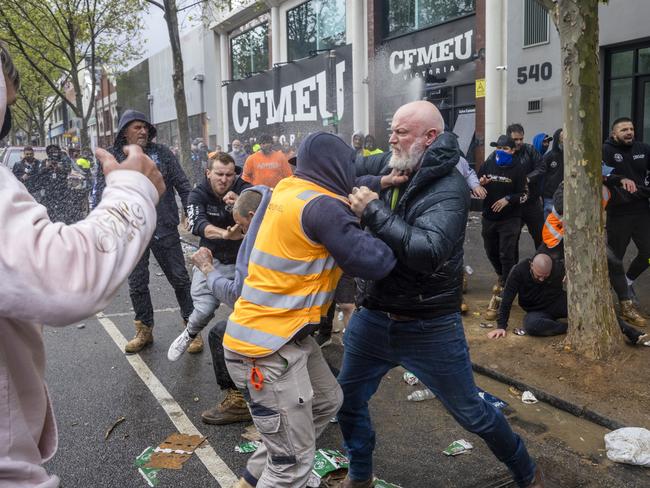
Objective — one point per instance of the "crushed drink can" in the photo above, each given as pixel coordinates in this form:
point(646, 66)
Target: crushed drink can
point(460, 446)
point(410, 378)
point(246, 447)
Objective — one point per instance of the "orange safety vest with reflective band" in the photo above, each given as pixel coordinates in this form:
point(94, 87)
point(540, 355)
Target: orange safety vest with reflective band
point(291, 279)
point(553, 230)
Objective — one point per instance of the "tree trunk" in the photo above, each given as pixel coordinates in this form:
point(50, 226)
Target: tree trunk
point(179, 89)
point(593, 329)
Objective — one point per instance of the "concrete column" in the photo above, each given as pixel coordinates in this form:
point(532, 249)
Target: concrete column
point(495, 70)
point(224, 58)
point(356, 23)
point(276, 35)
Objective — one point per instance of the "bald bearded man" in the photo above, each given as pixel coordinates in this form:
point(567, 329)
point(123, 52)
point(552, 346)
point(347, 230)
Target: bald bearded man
point(538, 282)
point(412, 317)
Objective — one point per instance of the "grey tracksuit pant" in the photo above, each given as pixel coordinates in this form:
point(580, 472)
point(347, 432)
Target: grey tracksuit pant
point(205, 303)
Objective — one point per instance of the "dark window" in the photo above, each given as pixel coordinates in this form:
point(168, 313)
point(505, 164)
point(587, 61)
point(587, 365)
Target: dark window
point(315, 25)
point(404, 16)
point(249, 52)
point(535, 23)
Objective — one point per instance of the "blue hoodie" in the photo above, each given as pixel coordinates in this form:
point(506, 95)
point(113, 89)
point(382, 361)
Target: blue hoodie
point(538, 140)
point(326, 160)
point(227, 290)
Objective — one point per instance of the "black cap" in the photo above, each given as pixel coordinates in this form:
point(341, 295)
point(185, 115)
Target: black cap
point(502, 141)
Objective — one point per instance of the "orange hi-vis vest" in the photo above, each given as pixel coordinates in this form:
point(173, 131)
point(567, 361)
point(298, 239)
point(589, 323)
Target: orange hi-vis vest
point(291, 279)
point(553, 230)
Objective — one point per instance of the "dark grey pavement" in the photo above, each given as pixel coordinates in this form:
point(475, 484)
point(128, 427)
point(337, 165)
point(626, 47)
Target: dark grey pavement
point(92, 384)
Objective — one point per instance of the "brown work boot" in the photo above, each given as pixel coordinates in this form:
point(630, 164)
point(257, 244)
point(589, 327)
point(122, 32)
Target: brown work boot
point(464, 308)
point(631, 314)
point(232, 409)
point(143, 337)
point(497, 289)
point(196, 346)
point(349, 483)
point(493, 308)
point(242, 483)
point(538, 480)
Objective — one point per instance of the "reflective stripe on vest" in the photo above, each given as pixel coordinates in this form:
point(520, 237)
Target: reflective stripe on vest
point(553, 231)
point(291, 279)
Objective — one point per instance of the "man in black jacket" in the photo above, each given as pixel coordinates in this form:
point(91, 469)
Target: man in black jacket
point(527, 156)
point(27, 170)
point(134, 128)
point(209, 216)
point(630, 220)
point(53, 176)
point(412, 317)
point(505, 181)
point(554, 164)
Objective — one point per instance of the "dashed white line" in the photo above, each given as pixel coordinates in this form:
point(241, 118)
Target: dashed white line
point(206, 453)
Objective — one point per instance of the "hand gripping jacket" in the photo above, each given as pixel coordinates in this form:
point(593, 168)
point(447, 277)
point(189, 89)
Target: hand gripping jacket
point(291, 279)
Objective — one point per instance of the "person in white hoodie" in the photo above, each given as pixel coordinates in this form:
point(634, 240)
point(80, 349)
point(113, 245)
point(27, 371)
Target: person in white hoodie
point(94, 256)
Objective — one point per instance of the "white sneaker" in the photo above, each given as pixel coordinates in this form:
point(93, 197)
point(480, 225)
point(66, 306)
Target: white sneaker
point(179, 346)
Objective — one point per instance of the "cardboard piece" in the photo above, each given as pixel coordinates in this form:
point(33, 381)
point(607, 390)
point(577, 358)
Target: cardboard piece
point(174, 451)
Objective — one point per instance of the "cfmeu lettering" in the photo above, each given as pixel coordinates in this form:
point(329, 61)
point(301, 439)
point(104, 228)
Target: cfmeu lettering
point(294, 103)
point(452, 49)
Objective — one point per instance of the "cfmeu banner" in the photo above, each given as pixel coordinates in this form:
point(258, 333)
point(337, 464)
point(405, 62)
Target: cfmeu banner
point(295, 99)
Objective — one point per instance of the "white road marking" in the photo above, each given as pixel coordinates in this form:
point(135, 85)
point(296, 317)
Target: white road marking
point(206, 453)
point(126, 314)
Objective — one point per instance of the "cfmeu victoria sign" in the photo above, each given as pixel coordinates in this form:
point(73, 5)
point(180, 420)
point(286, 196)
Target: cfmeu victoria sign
point(295, 99)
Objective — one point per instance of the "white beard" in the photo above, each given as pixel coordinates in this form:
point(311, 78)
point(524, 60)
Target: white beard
point(407, 162)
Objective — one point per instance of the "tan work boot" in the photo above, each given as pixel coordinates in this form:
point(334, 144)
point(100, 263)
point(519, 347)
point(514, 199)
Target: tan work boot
point(242, 483)
point(350, 483)
point(464, 308)
point(143, 337)
point(232, 409)
point(631, 314)
point(538, 480)
point(196, 346)
point(497, 289)
point(493, 308)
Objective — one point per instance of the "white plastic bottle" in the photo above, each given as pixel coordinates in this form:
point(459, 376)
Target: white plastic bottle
point(420, 395)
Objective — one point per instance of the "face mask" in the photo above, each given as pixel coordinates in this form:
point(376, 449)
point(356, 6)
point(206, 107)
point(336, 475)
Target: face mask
point(503, 158)
point(6, 125)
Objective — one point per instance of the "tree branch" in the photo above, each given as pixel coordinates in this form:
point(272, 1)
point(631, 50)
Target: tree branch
point(157, 4)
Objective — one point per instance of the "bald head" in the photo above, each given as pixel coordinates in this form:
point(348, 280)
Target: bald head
point(414, 128)
point(541, 267)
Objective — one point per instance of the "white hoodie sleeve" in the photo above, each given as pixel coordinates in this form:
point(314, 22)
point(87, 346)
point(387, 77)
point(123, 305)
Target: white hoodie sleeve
point(57, 274)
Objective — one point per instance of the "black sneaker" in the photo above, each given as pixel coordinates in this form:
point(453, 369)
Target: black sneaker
point(323, 340)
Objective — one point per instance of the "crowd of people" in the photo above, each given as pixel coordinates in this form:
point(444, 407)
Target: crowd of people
point(283, 237)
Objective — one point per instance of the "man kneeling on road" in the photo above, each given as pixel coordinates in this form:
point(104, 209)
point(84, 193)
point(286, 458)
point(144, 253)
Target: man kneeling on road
point(538, 282)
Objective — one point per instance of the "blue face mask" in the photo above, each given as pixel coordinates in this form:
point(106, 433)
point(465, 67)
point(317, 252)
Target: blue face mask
point(503, 158)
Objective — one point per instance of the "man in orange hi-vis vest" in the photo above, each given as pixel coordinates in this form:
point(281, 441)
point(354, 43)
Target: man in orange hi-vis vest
point(307, 238)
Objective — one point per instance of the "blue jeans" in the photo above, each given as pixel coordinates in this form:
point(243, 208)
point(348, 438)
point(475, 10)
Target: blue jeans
point(436, 351)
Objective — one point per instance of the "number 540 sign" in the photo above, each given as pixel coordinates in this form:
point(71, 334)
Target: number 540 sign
point(534, 72)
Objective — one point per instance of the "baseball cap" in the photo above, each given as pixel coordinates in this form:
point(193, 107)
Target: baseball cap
point(502, 141)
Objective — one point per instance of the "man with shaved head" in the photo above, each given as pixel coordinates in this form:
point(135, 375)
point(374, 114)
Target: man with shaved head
point(538, 282)
point(412, 316)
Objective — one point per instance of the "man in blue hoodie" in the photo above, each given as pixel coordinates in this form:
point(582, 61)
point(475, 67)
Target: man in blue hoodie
point(134, 128)
point(412, 316)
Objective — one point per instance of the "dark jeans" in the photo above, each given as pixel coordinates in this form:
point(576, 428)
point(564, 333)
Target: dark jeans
point(532, 215)
point(621, 229)
point(543, 323)
point(436, 351)
point(169, 254)
point(215, 341)
point(617, 276)
point(500, 238)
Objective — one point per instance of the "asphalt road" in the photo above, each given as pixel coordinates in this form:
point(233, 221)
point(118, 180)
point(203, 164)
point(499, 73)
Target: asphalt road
point(92, 384)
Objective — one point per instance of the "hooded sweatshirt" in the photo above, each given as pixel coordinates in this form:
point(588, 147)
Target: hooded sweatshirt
point(228, 290)
point(554, 164)
point(632, 162)
point(55, 274)
point(326, 160)
point(175, 178)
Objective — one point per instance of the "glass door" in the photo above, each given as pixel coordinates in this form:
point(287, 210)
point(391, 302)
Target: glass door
point(642, 126)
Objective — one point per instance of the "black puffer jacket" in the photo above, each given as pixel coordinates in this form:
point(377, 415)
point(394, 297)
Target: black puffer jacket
point(554, 164)
point(173, 174)
point(426, 232)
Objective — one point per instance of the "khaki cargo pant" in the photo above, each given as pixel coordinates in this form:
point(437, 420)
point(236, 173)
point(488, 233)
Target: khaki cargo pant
point(299, 397)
